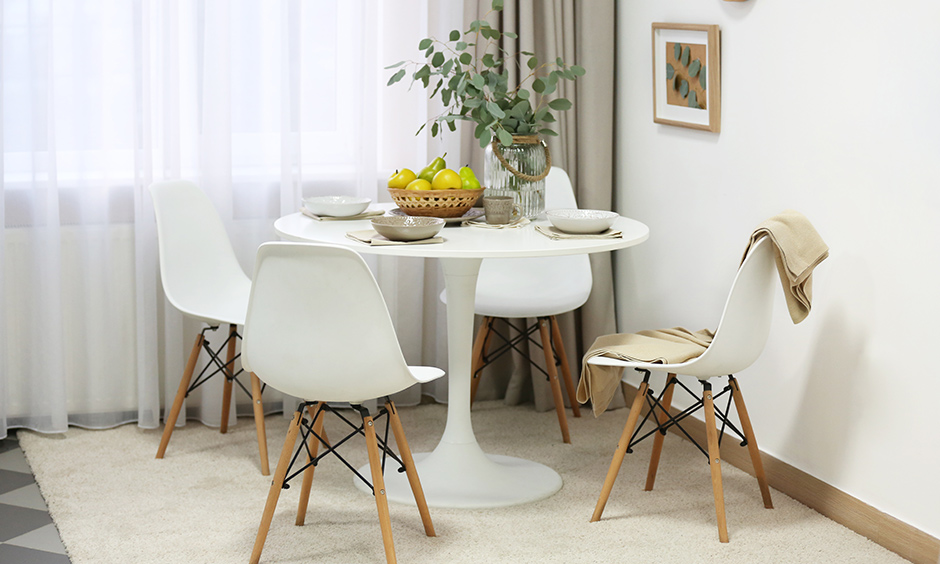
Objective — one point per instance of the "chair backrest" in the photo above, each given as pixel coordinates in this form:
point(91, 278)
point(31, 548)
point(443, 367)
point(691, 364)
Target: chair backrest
point(318, 327)
point(745, 322)
point(197, 262)
point(558, 191)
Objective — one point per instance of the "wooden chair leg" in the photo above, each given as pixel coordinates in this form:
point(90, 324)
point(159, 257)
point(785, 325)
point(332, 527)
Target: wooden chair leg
point(258, 408)
point(227, 384)
point(714, 462)
point(274, 493)
point(180, 396)
point(314, 445)
point(553, 379)
point(659, 437)
point(477, 356)
point(410, 470)
point(378, 485)
point(565, 369)
point(621, 450)
point(751, 442)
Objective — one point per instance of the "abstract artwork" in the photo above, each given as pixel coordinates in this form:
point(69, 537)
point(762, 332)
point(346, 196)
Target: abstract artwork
point(686, 75)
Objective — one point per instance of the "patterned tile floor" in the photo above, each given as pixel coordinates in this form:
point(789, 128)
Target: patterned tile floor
point(27, 533)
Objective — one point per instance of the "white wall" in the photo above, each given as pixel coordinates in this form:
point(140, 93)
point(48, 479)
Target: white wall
point(831, 108)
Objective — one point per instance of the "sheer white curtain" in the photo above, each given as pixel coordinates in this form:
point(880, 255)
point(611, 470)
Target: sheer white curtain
point(261, 102)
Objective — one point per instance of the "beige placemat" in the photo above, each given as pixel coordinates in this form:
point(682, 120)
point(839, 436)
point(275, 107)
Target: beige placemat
point(554, 233)
point(370, 237)
point(363, 215)
point(481, 222)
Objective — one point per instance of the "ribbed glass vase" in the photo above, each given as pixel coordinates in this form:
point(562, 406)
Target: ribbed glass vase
point(529, 158)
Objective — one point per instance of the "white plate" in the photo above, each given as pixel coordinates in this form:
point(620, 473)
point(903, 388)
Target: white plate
point(472, 213)
point(582, 221)
point(336, 206)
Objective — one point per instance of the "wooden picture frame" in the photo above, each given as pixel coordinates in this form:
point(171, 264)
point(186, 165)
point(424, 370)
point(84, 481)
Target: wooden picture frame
point(684, 54)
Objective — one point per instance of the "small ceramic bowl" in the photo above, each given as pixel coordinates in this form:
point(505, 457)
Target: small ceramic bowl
point(582, 221)
point(336, 206)
point(410, 228)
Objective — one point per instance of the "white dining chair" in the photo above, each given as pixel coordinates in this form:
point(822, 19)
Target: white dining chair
point(539, 288)
point(318, 329)
point(202, 279)
point(739, 340)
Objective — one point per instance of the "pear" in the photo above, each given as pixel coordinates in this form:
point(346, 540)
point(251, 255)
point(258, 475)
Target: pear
point(401, 179)
point(468, 180)
point(446, 180)
point(437, 165)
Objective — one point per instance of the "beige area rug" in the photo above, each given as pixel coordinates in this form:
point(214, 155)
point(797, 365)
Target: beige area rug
point(114, 503)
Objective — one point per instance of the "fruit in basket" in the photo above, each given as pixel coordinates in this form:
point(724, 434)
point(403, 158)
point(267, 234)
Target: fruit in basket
point(468, 180)
point(437, 165)
point(418, 184)
point(446, 180)
point(401, 179)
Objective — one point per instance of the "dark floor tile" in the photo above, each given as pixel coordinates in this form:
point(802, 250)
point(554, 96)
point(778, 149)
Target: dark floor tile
point(10, 554)
point(10, 480)
point(15, 521)
point(10, 442)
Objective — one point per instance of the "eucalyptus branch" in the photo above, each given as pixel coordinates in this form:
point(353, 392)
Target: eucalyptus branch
point(475, 87)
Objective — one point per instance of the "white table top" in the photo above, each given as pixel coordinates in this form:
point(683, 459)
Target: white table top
point(462, 242)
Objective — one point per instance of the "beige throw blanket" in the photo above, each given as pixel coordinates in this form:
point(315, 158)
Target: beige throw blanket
point(798, 249)
point(665, 346)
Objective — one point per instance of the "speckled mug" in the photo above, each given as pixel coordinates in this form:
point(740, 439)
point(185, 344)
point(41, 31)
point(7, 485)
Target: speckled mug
point(500, 210)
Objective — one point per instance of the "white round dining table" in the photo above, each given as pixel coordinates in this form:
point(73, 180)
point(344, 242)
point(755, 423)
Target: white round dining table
point(458, 473)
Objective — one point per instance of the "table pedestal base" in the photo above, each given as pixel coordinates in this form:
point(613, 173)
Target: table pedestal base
point(463, 476)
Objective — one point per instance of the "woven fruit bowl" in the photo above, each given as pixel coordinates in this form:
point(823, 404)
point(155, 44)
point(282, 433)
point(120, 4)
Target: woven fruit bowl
point(435, 203)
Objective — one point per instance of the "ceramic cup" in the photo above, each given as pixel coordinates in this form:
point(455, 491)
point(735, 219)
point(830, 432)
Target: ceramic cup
point(500, 210)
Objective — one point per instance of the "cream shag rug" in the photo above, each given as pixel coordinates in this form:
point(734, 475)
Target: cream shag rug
point(113, 502)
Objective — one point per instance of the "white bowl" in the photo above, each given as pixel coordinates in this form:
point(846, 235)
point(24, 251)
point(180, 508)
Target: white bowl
point(407, 228)
point(582, 221)
point(336, 206)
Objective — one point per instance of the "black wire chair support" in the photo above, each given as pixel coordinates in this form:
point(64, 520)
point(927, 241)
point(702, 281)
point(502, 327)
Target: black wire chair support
point(225, 368)
point(655, 403)
point(511, 343)
point(357, 429)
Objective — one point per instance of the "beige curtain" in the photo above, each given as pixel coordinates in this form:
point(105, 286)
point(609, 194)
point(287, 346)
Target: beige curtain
point(580, 33)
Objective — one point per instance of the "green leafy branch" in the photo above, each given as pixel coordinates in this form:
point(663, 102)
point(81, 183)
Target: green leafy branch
point(476, 88)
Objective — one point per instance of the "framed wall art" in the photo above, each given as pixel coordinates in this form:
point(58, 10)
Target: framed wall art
point(687, 75)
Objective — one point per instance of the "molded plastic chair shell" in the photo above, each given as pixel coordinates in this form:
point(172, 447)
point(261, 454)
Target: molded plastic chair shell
point(318, 327)
point(540, 286)
point(744, 326)
point(201, 276)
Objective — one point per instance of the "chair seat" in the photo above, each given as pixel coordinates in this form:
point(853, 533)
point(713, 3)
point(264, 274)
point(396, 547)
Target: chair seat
point(424, 374)
point(532, 287)
point(688, 368)
point(220, 305)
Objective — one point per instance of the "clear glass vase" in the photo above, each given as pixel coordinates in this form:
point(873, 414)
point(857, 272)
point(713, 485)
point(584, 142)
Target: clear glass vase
point(529, 157)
